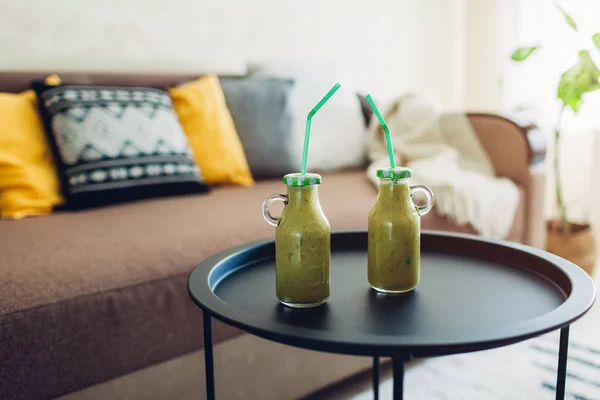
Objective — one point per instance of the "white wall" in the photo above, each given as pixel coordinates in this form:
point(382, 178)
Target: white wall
point(384, 46)
point(595, 189)
point(580, 175)
point(483, 55)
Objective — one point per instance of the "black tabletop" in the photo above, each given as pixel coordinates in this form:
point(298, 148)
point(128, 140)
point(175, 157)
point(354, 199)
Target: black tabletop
point(473, 294)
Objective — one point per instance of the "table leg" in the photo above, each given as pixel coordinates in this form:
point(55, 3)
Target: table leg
point(561, 377)
point(376, 378)
point(208, 356)
point(398, 366)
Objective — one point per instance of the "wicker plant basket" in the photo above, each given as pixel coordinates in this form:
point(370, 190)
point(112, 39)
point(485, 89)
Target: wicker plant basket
point(574, 242)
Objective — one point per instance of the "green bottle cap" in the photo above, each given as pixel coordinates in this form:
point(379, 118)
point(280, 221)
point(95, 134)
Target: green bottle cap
point(298, 179)
point(394, 173)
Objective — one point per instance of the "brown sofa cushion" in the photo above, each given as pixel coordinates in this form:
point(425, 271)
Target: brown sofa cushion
point(87, 296)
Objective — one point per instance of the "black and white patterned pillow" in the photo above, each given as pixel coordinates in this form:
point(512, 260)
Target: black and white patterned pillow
point(117, 144)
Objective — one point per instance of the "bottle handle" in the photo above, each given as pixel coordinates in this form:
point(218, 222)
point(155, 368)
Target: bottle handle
point(266, 208)
point(422, 210)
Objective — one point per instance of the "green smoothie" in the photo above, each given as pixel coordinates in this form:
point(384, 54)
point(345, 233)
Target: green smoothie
point(394, 246)
point(302, 247)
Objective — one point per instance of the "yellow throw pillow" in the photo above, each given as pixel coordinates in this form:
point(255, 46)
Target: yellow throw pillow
point(29, 182)
point(203, 113)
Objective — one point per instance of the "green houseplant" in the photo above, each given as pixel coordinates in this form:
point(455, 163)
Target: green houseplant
point(565, 238)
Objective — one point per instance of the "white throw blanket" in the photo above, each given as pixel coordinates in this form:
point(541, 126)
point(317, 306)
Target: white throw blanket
point(445, 154)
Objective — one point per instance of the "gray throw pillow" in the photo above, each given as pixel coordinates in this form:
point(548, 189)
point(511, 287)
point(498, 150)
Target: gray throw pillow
point(261, 111)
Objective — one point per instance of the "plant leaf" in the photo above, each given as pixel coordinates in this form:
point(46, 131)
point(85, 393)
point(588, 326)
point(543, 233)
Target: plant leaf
point(577, 80)
point(522, 53)
point(596, 39)
point(568, 18)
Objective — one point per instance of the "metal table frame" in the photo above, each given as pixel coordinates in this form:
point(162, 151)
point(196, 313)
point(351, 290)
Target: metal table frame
point(397, 365)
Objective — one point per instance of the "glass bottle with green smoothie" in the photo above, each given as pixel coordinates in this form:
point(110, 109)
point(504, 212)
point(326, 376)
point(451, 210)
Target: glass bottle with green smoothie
point(302, 243)
point(394, 246)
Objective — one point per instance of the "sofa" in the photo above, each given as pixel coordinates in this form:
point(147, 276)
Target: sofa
point(94, 303)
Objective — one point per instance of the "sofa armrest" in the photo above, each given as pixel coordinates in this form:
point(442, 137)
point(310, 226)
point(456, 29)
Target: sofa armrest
point(512, 148)
point(518, 151)
point(535, 226)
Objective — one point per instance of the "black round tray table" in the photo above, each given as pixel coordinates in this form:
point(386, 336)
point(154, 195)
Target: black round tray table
point(474, 294)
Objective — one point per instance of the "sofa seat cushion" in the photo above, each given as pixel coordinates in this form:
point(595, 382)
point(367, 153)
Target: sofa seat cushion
point(90, 295)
